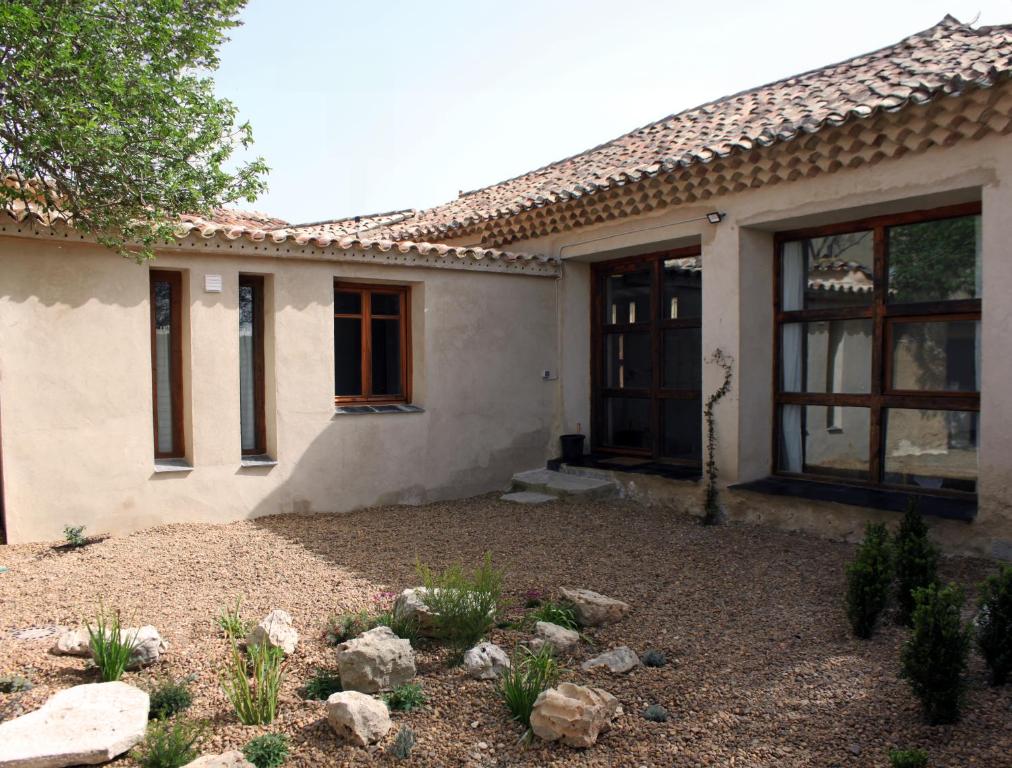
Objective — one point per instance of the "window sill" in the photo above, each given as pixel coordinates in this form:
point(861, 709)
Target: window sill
point(168, 466)
point(258, 461)
point(950, 508)
point(360, 410)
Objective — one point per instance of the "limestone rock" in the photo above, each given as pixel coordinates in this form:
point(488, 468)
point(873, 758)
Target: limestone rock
point(593, 609)
point(486, 661)
point(73, 642)
point(358, 719)
point(618, 660)
point(573, 714)
point(276, 630)
point(148, 644)
point(233, 759)
point(561, 640)
point(374, 661)
point(410, 606)
point(83, 725)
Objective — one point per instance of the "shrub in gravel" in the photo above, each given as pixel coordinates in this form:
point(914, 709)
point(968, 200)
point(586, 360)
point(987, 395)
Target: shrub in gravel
point(15, 684)
point(869, 579)
point(653, 658)
point(169, 745)
point(169, 697)
point(402, 744)
point(110, 646)
point(529, 674)
point(253, 684)
point(994, 625)
point(323, 684)
point(342, 628)
point(74, 536)
point(655, 713)
point(554, 613)
point(463, 606)
point(405, 698)
point(934, 657)
point(405, 627)
point(231, 622)
point(908, 758)
point(267, 751)
point(916, 561)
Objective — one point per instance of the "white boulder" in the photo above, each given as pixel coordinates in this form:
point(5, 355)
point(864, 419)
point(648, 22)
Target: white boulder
point(73, 642)
point(374, 661)
point(410, 606)
point(561, 640)
point(233, 759)
point(593, 609)
point(83, 725)
point(276, 630)
point(148, 644)
point(486, 661)
point(357, 718)
point(618, 660)
point(573, 714)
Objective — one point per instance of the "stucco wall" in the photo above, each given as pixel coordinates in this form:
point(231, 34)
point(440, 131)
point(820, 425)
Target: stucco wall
point(75, 390)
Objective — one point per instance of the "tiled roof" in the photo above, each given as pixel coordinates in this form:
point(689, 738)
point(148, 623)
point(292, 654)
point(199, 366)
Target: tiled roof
point(355, 225)
point(950, 58)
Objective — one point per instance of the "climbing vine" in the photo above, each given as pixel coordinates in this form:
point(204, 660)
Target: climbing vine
point(711, 506)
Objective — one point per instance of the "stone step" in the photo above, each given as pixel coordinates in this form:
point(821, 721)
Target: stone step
point(560, 484)
point(528, 497)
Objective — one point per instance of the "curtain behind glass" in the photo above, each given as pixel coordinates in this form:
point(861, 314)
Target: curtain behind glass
point(793, 282)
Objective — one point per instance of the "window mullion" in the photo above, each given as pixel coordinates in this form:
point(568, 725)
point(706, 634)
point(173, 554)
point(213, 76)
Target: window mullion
point(875, 432)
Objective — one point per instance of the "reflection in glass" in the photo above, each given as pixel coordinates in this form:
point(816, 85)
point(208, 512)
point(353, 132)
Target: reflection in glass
point(627, 361)
point(683, 429)
point(936, 356)
point(683, 288)
point(808, 444)
point(627, 298)
point(826, 356)
point(247, 369)
point(828, 272)
point(935, 260)
point(627, 422)
point(163, 366)
point(931, 449)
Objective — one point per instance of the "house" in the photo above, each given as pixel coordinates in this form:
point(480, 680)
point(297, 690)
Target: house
point(842, 235)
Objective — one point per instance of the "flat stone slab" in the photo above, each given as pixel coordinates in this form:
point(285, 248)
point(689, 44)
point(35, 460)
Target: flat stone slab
point(562, 484)
point(528, 497)
point(83, 725)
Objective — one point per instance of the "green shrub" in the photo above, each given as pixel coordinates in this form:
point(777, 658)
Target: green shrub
point(322, 685)
point(169, 697)
point(231, 622)
point(253, 685)
point(554, 613)
point(169, 745)
point(521, 684)
point(15, 684)
point(267, 751)
point(405, 627)
point(934, 657)
point(405, 698)
point(869, 579)
point(463, 607)
point(916, 561)
point(994, 625)
point(110, 645)
point(655, 713)
point(347, 626)
point(74, 536)
point(908, 758)
point(403, 743)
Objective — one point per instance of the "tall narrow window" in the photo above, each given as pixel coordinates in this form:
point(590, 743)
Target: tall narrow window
point(167, 363)
point(251, 365)
point(372, 345)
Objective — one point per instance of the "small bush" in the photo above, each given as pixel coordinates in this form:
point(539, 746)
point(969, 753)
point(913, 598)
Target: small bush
point(934, 658)
point(169, 698)
point(908, 758)
point(405, 698)
point(916, 561)
point(869, 579)
point(74, 536)
point(169, 745)
point(994, 625)
point(322, 685)
point(15, 684)
point(405, 627)
point(267, 751)
point(654, 658)
point(110, 645)
point(231, 622)
point(464, 607)
point(402, 743)
point(255, 700)
point(521, 684)
point(347, 626)
point(554, 613)
point(655, 713)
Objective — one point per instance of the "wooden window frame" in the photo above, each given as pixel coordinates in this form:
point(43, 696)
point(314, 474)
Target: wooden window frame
point(175, 281)
point(655, 326)
point(256, 282)
point(365, 291)
point(883, 315)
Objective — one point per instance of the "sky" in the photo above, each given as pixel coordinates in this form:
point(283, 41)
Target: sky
point(362, 107)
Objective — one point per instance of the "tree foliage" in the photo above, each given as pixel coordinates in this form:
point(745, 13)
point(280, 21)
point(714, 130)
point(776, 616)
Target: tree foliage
point(108, 115)
point(916, 561)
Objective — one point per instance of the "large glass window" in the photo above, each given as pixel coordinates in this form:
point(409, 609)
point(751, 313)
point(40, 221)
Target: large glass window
point(251, 365)
point(167, 363)
point(878, 349)
point(371, 343)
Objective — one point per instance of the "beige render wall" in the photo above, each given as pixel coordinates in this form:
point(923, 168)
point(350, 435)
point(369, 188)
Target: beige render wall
point(75, 391)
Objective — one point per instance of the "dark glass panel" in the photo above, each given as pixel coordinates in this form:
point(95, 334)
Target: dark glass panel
point(931, 449)
point(386, 357)
point(937, 356)
point(627, 298)
point(347, 303)
point(347, 356)
point(386, 303)
point(627, 361)
point(683, 353)
point(935, 260)
point(683, 429)
point(627, 422)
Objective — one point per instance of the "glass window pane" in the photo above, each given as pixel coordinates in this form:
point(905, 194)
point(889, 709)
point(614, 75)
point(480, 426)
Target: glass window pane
point(347, 356)
point(386, 357)
point(825, 440)
point(627, 422)
point(627, 361)
point(247, 371)
point(683, 354)
point(347, 303)
point(936, 356)
point(386, 303)
point(827, 356)
point(931, 449)
point(163, 366)
point(935, 260)
point(683, 288)
point(627, 298)
point(683, 429)
point(828, 272)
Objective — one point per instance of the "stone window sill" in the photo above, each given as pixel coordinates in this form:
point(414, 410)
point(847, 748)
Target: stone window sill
point(168, 466)
point(258, 461)
point(352, 409)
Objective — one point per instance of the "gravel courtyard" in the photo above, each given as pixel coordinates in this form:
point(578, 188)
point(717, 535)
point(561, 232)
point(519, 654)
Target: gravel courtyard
point(762, 669)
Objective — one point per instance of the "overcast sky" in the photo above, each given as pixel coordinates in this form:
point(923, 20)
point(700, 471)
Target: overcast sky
point(361, 107)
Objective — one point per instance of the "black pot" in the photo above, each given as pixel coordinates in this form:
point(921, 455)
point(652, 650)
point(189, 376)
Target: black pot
point(572, 448)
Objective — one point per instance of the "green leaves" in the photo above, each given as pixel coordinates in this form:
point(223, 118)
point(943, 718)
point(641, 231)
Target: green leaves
point(111, 104)
point(869, 580)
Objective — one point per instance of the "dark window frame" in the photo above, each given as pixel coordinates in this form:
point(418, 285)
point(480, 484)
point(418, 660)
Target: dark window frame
point(256, 283)
point(365, 315)
point(175, 281)
point(883, 316)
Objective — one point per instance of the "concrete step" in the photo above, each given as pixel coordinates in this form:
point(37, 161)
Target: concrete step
point(561, 484)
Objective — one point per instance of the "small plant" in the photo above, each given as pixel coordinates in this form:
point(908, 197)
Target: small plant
point(994, 625)
point(322, 685)
point(255, 700)
point(554, 613)
point(521, 684)
point(908, 758)
point(655, 713)
point(464, 607)
point(654, 658)
point(74, 536)
point(402, 743)
point(405, 698)
point(869, 579)
point(15, 684)
point(169, 745)
point(111, 646)
point(533, 598)
point(267, 751)
point(169, 698)
point(711, 505)
point(348, 626)
point(916, 561)
point(934, 658)
point(405, 627)
point(231, 622)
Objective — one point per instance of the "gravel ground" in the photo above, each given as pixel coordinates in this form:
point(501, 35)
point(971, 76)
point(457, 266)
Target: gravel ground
point(762, 672)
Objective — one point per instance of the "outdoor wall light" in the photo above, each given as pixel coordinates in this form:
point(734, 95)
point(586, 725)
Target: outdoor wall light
point(715, 217)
